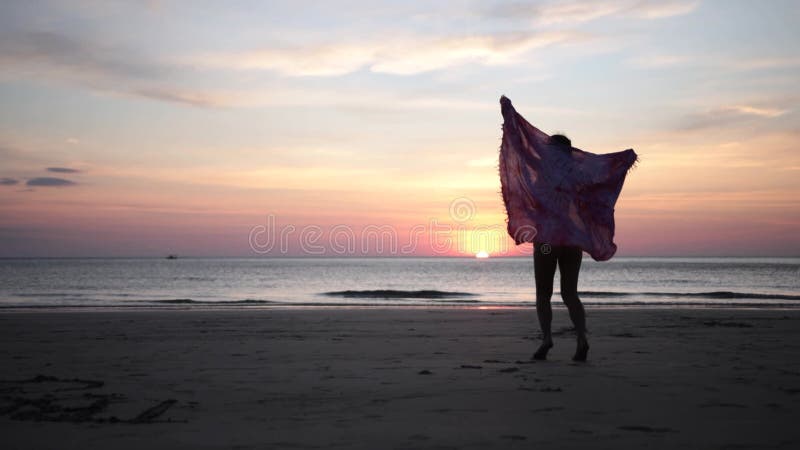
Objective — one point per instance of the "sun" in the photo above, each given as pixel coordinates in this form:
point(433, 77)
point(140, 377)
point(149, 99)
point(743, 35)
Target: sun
point(481, 254)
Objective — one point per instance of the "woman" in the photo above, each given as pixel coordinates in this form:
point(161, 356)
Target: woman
point(568, 259)
point(561, 199)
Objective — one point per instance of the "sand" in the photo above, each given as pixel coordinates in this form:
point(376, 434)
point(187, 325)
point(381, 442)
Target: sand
point(398, 378)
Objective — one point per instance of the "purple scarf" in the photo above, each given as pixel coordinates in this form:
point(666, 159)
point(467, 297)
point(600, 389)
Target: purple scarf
point(556, 194)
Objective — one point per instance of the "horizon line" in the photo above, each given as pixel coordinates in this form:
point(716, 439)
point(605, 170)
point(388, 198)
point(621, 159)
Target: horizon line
point(374, 257)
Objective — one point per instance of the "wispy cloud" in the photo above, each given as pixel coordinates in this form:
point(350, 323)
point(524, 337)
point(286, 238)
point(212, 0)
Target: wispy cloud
point(361, 100)
point(655, 9)
point(205, 98)
point(755, 111)
point(758, 63)
point(72, 57)
point(730, 114)
point(8, 181)
point(398, 56)
point(417, 57)
point(62, 170)
point(52, 56)
point(575, 12)
point(730, 63)
point(49, 182)
point(56, 57)
point(321, 60)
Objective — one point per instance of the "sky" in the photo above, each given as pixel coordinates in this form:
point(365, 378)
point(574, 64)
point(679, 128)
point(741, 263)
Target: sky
point(272, 128)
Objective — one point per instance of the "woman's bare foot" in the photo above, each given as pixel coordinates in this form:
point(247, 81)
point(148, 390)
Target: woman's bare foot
point(582, 350)
point(541, 353)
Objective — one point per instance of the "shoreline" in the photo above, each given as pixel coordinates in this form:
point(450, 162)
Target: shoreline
point(220, 306)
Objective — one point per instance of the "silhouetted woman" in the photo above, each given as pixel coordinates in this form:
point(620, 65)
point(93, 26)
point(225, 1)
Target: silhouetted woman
point(557, 194)
point(568, 260)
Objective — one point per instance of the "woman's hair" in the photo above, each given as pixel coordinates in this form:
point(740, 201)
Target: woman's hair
point(560, 139)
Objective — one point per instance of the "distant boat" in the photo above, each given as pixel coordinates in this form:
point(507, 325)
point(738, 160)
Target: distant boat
point(172, 256)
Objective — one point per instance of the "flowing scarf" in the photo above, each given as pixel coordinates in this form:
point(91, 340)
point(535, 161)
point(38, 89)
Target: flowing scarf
point(556, 194)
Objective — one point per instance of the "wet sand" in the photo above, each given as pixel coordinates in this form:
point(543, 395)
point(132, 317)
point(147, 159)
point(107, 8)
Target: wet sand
point(398, 378)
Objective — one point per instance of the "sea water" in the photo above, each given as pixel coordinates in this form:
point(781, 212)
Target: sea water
point(258, 282)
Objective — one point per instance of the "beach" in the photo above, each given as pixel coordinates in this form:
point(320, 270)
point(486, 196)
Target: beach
point(398, 378)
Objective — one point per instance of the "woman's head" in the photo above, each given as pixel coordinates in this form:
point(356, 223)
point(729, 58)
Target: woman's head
point(560, 139)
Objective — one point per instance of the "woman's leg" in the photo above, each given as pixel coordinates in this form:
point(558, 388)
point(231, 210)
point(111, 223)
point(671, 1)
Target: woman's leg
point(544, 269)
point(569, 265)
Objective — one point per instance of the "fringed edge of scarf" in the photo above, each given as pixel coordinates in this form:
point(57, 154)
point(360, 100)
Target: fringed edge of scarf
point(636, 161)
point(500, 175)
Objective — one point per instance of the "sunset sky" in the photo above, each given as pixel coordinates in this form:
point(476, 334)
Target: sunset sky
point(159, 127)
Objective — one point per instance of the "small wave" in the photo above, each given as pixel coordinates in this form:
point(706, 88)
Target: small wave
point(691, 304)
point(194, 279)
point(188, 301)
point(391, 293)
point(176, 301)
point(461, 301)
point(48, 294)
point(719, 295)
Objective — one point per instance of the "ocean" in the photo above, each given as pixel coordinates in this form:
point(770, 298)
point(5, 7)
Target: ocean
point(252, 282)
